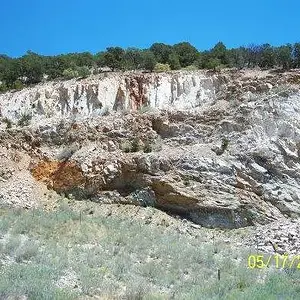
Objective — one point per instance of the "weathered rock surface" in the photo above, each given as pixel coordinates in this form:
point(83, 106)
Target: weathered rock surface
point(97, 95)
point(219, 149)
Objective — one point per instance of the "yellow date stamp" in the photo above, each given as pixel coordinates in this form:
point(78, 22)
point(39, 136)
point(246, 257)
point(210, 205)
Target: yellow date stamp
point(280, 261)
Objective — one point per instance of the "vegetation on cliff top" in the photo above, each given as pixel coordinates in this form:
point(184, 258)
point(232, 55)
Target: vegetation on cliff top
point(15, 73)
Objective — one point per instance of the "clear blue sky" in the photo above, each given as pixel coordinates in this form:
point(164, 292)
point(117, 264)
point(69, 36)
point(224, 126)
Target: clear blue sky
point(59, 26)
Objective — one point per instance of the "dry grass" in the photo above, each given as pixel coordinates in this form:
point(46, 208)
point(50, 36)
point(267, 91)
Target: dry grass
point(68, 255)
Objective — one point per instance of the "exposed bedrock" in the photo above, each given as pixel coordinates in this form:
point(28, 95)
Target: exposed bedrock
point(220, 149)
point(95, 96)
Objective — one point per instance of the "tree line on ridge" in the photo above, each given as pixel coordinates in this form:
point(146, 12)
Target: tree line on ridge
point(32, 68)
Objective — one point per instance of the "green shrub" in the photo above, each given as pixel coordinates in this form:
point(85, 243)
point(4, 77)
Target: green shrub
point(225, 143)
point(18, 85)
point(126, 147)
point(148, 147)
point(70, 73)
point(162, 67)
point(223, 148)
point(25, 119)
point(3, 87)
point(28, 250)
point(134, 145)
point(83, 72)
point(191, 68)
point(12, 245)
point(157, 144)
point(213, 63)
point(153, 145)
point(137, 145)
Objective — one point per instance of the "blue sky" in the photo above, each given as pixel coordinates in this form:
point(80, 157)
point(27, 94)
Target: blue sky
point(60, 26)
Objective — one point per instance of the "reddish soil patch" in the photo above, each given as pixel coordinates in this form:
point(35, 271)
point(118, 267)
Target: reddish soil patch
point(60, 176)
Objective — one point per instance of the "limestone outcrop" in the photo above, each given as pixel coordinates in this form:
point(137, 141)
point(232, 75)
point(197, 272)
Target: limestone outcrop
point(219, 149)
point(97, 95)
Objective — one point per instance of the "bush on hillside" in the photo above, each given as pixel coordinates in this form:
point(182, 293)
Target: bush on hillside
point(25, 119)
point(162, 67)
point(70, 73)
point(191, 68)
point(18, 85)
point(83, 72)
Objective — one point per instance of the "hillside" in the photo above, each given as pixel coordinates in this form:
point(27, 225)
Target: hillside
point(204, 151)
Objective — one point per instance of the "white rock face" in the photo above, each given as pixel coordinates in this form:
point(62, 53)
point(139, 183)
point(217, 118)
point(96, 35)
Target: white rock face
point(95, 95)
point(225, 149)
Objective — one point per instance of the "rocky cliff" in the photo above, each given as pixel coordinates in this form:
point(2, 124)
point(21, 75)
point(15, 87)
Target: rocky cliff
point(219, 149)
point(112, 91)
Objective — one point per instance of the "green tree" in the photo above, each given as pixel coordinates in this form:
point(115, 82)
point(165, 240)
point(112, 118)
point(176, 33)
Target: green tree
point(84, 59)
point(219, 51)
point(54, 66)
point(284, 56)
point(100, 59)
point(4, 61)
point(296, 55)
point(161, 52)
point(32, 67)
point(72, 60)
point(174, 61)
point(69, 60)
point(213, 63)
point(201, 62)
point(83, 72)
point(267, 57)
point(237, 57)
point(187, 53)
point(114, 58)
point(11, 71)
point(148, 60)
point(253, 55)
point(133, 59)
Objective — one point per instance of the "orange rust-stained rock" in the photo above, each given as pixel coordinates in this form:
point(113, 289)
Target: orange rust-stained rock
point(44, 170)
point(137, 90)
point(61, 176)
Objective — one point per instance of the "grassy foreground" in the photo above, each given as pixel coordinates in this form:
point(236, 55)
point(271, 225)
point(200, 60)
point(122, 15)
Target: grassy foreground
point(65, 255)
